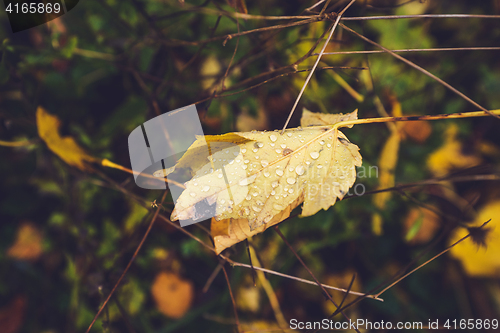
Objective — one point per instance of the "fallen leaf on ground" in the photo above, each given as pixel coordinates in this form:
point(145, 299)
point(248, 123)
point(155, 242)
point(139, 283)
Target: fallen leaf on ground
point(420, 225)
point(64, 147)
point(11, 315)
point(172, 294)
point(418, 131)
point(28, 244)
point(256, 179)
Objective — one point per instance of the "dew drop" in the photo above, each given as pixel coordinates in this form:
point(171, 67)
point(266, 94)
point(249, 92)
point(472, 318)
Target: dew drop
point(300, 170)
point(283, 145)
point(192, 194)
point(255, 150)
point(290, 191)
point(222, 201)
point(205, 188)
point(243, 150)
point(279, 172)
point(220, 175)
point(274, 184)
point(267, 219)
point(322, 142)
point(273, 138)
point(247, 211)
point(271, 144)
point(278, 151)
point(246, 161)
point(319, 166)
point(273, 192)
point(256, 208)
point(314, 155)
point(238, 160)
point(244, 167)
point(260, 144)
point(266, 174)
point(278, 206)
point(255, 194)
point(328, 145)
point(291, 180)
point(248, 197)
point(289, 134)
point(290, 169)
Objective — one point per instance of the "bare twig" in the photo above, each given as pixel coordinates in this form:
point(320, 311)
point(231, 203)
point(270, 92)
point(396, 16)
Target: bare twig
point(22, 143)
point(437, 49)
point(396, 17)
point(428, 261)
point(232, 298)
point(309, 271)
point(315, 65)
point(128, 265)
point(265, 270)
point(424, 71)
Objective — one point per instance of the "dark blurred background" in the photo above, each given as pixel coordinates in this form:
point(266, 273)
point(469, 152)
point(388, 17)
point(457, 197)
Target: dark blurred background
point(66, 234)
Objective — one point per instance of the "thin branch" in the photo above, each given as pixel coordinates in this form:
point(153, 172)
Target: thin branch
point(425, 263)
point(212, 276)
point(438, 49)
point(22, 143)
point(128, 265)
point(424, 71)
point(232, 299)
point(315, 65)
point(309, 271)
point(291, 277)
point(176, 42)
point(395, 17)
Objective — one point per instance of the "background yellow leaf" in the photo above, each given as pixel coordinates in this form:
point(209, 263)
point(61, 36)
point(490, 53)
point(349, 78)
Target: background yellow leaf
point(481, 261)
point(450, 155)
point(28, 243)
point(64, 147)
point(387, 164)
point(172, 294)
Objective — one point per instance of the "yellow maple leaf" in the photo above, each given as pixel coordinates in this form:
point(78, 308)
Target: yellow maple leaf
point(481, 261)
point(64, 147)
point(266, 175)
